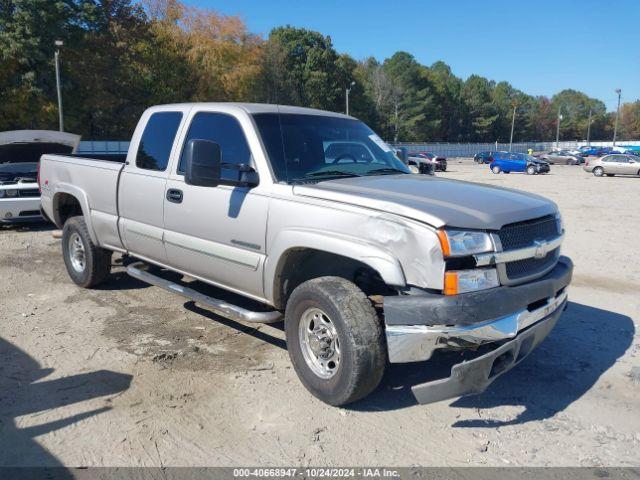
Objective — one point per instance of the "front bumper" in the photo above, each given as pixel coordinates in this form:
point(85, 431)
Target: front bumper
point(476, 375)
point(515, 319)
point(16, 209)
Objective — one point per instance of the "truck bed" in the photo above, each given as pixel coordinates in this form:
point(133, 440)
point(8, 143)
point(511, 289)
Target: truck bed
point(78, 176)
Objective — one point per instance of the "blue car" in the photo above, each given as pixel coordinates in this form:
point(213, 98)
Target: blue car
point(589, 151)
point(517, 162)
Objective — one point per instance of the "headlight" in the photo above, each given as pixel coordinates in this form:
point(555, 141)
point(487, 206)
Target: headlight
point(460, 243)
point(461, 281)
point(8, 193)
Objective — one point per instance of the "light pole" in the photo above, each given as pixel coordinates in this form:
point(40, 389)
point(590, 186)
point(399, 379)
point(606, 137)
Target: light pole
point(589, 128)
point(615, 128)
point(58, 44)
point(513, 122)
point(558, 128)
point(348, 90)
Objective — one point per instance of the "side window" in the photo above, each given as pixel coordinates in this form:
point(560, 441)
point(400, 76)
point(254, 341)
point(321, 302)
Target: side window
point(157, 140)
point(226, 132)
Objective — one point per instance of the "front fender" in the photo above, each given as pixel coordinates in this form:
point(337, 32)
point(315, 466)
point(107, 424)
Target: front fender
point(379, 259)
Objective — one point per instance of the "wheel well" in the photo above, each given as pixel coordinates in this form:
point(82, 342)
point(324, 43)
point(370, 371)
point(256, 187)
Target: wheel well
point(301, 264)
point(65, 206)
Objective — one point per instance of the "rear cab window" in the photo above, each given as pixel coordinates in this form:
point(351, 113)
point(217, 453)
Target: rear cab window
point(156, 141)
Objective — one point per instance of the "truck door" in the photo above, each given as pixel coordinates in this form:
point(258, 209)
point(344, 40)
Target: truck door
point(217, 233)
point(142, 184)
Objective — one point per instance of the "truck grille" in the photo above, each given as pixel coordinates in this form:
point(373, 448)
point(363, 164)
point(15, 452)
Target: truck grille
point(29, 192)
point(524, 234)
point(530, 266)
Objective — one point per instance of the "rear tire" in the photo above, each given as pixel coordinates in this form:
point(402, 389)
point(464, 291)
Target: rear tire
point(496, 169)
point(598, 171)
point(335, 340)
point(87, 264)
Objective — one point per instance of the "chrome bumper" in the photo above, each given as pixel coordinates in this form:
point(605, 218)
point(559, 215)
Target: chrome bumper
point(474, 376)
point(415, 343)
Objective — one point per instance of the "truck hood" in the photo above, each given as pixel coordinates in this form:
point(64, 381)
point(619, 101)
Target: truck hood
point(433, 200)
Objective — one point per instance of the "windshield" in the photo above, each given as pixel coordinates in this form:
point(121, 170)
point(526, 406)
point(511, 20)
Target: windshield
point(305, 148)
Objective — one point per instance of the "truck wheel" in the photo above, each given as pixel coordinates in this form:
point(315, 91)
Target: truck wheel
point(495, 169)
point(87, 264)
point(598, 171)
point(531, 170)
point(335, 340)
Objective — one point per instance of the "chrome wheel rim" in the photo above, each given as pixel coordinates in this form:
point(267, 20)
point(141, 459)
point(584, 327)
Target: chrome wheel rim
point(319, 343)
point(76, 253)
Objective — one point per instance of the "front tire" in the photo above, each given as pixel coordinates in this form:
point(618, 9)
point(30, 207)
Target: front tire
point(598, 171)
point(531, 170)
point(496, 169)
point(335, 340)
point(87, 264)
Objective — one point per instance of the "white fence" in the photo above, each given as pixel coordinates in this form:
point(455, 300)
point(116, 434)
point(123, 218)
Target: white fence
point(470, 149)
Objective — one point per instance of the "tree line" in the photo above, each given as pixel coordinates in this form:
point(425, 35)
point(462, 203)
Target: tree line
point(122, 56)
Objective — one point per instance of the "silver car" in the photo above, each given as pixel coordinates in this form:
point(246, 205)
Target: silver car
point(561, 157)
point(616, 164)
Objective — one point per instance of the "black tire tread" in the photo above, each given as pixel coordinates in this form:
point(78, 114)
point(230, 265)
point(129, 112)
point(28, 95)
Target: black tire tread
point(365, 334)
point(98, 259)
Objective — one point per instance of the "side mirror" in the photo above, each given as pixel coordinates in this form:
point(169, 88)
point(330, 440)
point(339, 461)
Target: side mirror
point(202, 163)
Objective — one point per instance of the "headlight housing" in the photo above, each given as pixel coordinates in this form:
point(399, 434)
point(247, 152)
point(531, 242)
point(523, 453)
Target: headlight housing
point(8, 193)
point(462, 243)
point(462, 281)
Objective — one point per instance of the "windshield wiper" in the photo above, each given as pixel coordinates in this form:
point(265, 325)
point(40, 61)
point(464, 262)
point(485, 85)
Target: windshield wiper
point(327, 174)
point(386, 170)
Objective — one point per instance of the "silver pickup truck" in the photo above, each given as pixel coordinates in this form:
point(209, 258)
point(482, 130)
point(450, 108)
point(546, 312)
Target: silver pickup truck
point(311, 216)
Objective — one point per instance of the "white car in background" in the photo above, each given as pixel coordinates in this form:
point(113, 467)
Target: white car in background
point(20, 153)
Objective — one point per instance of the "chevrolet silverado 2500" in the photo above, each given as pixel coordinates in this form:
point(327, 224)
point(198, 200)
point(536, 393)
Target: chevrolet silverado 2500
point(365, 262)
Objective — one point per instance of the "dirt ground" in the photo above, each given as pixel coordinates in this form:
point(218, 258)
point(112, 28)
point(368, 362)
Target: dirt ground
point(129, 375)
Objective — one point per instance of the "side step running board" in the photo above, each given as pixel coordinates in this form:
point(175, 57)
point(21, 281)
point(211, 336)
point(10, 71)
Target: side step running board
point(220, 307)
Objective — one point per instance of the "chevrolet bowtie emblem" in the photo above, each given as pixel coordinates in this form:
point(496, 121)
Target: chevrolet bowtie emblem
point(542, 248)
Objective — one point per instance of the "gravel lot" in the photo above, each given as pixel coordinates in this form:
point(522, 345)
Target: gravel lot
point(129, 375)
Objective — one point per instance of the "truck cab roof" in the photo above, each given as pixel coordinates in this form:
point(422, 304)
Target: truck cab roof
point(252, 108)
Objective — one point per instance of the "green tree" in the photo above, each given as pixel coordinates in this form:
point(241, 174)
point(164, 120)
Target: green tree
point(306, 66)
point(28, 29)
point(575, 107)
point(482, 114)
point(630, 120)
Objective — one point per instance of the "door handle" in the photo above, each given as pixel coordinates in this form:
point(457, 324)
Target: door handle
point(174, 195)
